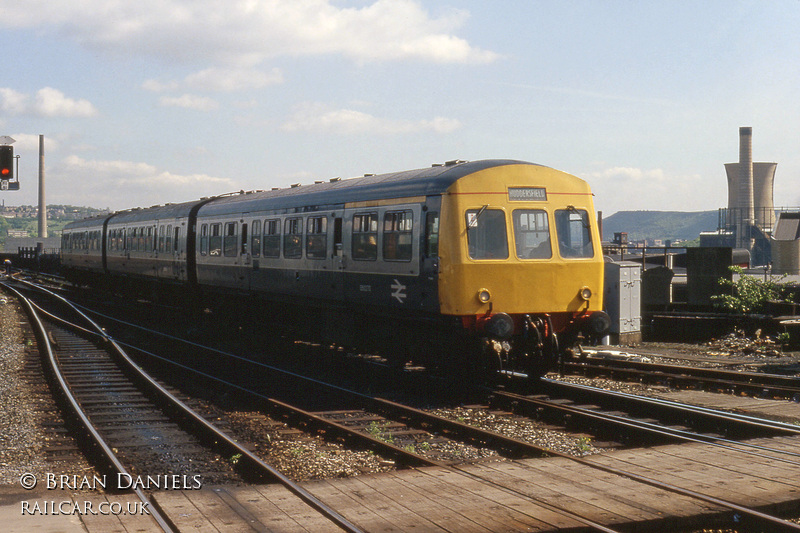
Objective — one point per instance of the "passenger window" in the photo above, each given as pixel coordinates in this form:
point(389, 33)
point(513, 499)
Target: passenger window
point(244, 238)
point(168, 239)
point(365, 237)
point(215, 240)
point(317, 238)
point(532, 234)
point(486, 234)
point(397, 233)
point(293, 238)
point(160, 246)
point(230, 240)
point(204, 239)
point(150, 242)
point(574, 233)
point(255, 242)
point(272, 238)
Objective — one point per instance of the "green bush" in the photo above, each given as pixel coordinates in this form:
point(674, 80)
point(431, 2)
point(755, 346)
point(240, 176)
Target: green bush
point(748, 293)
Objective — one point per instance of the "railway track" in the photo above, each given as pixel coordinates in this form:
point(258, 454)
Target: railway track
point(535, 405)
point(332, 419)
point(129, 422)
point(615, 366)
point(644, 420)
point(364, 411)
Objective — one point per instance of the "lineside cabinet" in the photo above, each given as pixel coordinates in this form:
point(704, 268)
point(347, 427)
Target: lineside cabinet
point(623, 301)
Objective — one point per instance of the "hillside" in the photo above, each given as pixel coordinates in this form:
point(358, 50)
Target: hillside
point(20, 224)
point(659, 224)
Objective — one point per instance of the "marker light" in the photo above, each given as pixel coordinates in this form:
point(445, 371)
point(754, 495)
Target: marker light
point(585, 293)
point(484, 295)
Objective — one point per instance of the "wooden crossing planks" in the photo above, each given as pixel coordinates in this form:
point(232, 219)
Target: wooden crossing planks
point(116, 513)
point(264, 508)
point(496, 496)
point(708, 469)
point(483, 506)
point(360, 512)
point(610, 492)
point(556, 490)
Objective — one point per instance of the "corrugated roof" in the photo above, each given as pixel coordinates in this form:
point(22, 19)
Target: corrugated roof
point(788, 227)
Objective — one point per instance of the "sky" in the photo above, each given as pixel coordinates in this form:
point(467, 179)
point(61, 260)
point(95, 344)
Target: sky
point(156, 101)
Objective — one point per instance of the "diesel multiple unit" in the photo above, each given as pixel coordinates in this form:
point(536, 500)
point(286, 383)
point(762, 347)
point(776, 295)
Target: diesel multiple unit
point(479, 266)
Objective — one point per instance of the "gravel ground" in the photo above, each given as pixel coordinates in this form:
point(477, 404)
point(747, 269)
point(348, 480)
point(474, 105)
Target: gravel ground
point(522, 429)
point(302, 457)
point(24, 409)
point(20, 449)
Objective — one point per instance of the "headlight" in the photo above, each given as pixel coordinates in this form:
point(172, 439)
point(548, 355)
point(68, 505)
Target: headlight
point(585, 293)
point(484, 296)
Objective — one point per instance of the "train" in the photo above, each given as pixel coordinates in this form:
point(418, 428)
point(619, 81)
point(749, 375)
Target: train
point(477, 267)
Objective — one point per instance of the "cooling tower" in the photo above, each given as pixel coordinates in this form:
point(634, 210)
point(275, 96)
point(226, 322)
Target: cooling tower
point(750, 197)
point(763, 178)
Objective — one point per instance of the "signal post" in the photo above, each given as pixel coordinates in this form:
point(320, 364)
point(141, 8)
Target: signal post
point(8, 176)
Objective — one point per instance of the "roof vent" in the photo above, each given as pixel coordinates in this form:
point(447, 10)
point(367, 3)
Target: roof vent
point(333, 180)
point(454, 162)
point(276, 188)
point(317, 182)
point(295, 185)
point(437, 165)
point(369, 174)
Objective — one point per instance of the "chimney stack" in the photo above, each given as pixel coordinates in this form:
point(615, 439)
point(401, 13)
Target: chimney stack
point(746, 174)
point(42, 203)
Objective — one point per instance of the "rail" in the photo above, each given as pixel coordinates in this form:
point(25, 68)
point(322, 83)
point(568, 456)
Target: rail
point(775, 523)
point(220, 438)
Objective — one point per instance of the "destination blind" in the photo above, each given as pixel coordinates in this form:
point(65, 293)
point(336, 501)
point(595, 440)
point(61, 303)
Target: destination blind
point(527, 194)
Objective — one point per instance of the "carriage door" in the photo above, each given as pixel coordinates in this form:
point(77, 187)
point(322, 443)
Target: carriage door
point(246, 257)
point(338, 257)
point(176, 250)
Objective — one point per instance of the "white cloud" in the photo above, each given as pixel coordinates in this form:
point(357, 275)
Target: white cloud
point(318, 118)
point(245, 32)
point(220, 79)
point(13, 102)
point(628, 174)
point(190, 101)
point(632, 188)
point(51, 102)
point(126, 184)
point(130, 172)
point(157, 86)
point(48, 102)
